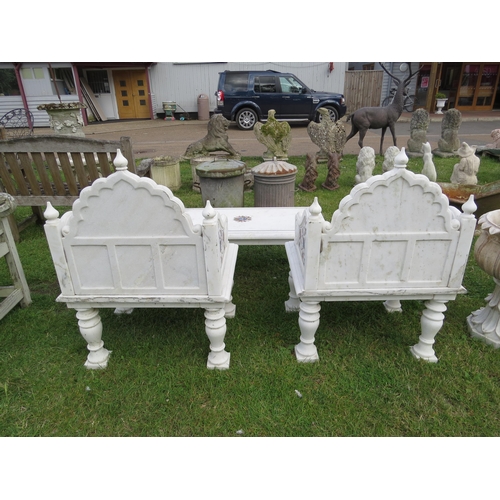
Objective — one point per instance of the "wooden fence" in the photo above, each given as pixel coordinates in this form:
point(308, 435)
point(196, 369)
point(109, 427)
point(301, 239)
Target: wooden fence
point(362, 88)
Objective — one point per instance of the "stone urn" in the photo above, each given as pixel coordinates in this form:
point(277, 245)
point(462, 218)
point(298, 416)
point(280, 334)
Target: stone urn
point(485, 322)
point(65, 117)
point(440, 104)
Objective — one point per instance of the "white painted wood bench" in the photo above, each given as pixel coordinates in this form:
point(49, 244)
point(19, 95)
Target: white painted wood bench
point(128, 243)
point(394, 237)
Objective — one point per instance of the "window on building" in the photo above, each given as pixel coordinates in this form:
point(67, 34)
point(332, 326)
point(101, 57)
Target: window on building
point(64, 81)
point(8, 82)
point(98, 81)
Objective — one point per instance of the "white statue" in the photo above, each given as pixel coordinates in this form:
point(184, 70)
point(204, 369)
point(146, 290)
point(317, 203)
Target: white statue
point(429, 169)
point(365, 164)
point(390, 153)
point(465, 171)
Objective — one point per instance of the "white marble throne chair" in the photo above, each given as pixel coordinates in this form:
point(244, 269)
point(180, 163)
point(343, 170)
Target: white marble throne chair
point(394, 237)
point(128, 243)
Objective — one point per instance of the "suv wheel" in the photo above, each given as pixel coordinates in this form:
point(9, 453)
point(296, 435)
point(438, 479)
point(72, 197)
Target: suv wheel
point(246, 118)
point(334, 116)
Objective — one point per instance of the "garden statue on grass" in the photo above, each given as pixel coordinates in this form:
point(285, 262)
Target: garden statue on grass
point(449, 141)
point(495, 135)
point(365, 164)
point(308, 183)
point(381, 117)
point(330, 136)
point(419, 124)
point(390, 153)
point(465, 171)
point(333, 172)
point(275, 135)
point(215, 140)
point(429, 169)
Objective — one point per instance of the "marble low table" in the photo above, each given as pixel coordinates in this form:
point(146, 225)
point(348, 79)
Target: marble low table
point(256, 225)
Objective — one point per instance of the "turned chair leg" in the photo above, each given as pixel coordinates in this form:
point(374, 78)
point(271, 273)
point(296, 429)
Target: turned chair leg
point(293, 302)
point(431, 322)
point(306, 351)
point(215, 327)
point(393, 306)
point(89, 322)
point(230, 309)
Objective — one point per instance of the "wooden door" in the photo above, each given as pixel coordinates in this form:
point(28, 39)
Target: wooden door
point(131, 94)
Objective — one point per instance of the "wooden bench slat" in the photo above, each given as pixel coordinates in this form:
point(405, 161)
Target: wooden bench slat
point(29, 174)
point(104, 164)
point(91, 166)
point(42, 173)
point(6, 178)
point(81, 173)
point(69, 174)
point(55, 172)
point(17, 174)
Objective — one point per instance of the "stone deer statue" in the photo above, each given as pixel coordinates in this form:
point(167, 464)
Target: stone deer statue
point(381, 116)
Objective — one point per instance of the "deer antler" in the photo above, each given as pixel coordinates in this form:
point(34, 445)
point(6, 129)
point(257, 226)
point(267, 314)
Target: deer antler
point(395, 78)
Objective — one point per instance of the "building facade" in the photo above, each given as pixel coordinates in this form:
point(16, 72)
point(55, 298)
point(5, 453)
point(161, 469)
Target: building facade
point(118, 91)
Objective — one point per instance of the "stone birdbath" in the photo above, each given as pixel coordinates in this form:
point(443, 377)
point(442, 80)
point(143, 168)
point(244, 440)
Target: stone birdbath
point(484, 323)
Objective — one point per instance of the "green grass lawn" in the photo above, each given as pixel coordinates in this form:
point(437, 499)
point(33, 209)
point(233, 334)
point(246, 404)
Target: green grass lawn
point(366, 383)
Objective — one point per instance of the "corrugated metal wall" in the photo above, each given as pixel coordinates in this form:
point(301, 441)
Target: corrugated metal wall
point(183, 83)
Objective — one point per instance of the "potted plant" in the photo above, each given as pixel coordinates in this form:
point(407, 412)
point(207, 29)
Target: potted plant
point(440, 102)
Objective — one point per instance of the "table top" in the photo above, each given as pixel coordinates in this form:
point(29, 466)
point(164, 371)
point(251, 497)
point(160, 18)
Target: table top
point(256, 225)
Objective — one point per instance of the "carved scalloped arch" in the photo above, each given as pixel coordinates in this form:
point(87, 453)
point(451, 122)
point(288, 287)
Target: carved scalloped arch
point(138, 206)
point(377, 204)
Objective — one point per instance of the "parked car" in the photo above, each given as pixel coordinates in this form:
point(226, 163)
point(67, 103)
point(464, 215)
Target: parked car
point(247, 96)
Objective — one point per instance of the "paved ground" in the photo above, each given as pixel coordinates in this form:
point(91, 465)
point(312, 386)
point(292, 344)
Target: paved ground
point(152, 138)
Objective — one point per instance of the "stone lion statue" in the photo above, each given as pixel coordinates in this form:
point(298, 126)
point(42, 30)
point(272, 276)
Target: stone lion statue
point(215, 140)
point(449, 141)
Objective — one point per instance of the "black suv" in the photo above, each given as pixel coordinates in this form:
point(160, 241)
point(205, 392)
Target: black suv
point(247, 96)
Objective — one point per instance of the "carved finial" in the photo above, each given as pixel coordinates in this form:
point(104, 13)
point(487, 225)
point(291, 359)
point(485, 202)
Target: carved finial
point(469, 207)
point(120, 162)
point(208, 211)
point(51, 214)
point(401, 159)
point(315, 209)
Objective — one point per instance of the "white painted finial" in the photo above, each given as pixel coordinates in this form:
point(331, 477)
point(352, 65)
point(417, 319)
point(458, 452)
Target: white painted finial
point(315, 209)
point(401, 159)
point(208, 211)
point(51, 214)
point(120, 162)
point(469, 207)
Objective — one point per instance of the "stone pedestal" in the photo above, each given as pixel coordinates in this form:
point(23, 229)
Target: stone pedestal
point(65, 118)
point(222, 183)
point(166, 171)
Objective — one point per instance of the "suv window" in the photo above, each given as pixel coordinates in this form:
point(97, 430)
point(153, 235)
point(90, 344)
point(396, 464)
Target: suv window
point(236, 81)
point(290, 85)
point(264, 84)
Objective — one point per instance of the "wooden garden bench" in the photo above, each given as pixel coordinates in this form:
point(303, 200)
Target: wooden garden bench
point(394, 237)
point(129, 243)
point(55, 168)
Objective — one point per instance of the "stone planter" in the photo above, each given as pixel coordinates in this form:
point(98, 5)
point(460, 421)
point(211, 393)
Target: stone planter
point(165, 170)
point(485, 322)
point(65, 118)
